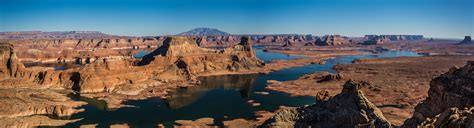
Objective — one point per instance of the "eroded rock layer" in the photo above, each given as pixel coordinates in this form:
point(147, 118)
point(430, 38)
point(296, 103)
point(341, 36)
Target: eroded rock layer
point(58, 50)
point(451, 118)
point(376, 40)
point(14, 73)
point(454, 89)
point(179, 58)
point(28, 107)
point(183, 57)
point(331, 40)
point(350, 108)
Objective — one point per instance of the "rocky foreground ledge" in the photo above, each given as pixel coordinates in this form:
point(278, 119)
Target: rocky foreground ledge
point(349, 108)
point(34, 107)
point(450, 101)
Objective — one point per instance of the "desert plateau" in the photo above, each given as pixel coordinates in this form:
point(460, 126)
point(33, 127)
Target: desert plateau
point(120, 64)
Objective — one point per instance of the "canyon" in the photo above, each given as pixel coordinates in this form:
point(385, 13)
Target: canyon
point(377, 91)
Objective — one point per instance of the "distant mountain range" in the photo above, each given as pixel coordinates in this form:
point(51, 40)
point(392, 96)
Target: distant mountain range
point(204, 32)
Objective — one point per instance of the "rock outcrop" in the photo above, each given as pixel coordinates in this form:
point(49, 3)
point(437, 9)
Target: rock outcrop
point(331, 40)
point(451, 118)
point(454, 89)
point(350, 108)
point(278, 39)
point(70, 49)
point(178, 59)
point(467, 40)
point(70, 42)
point(29, 107)
point(289, 44)
point(15, 74)
point(330, 77)
point(9, 64)
point(376, 40)
point(33, 121)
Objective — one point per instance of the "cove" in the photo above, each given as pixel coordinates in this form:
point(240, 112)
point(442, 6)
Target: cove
point(220, 97)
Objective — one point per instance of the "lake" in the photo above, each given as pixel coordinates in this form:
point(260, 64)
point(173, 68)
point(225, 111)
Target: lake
point(221, 97)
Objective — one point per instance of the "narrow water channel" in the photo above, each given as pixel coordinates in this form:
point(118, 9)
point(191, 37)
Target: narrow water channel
point(220, 97)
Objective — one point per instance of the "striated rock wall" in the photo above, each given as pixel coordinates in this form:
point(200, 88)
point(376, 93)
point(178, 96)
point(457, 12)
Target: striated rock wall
point(229, 40)
point(454, 89)
point(69, 49)
point(350, 108)
point(105, 74)
point(179, 58)
point(182, 57)
point(29, 107)
point(331, 40)
point(376, 40)
point(9, 64)
point(72, 49)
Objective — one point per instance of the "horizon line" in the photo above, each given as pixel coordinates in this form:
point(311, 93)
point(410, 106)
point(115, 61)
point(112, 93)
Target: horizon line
point(230, 34)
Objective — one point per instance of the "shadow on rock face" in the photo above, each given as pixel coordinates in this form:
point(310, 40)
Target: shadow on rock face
point(76, 79)
point(350, 108)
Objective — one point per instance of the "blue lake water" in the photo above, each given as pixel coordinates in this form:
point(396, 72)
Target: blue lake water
point(220, 97)
point(140, 54)
point(268, 56)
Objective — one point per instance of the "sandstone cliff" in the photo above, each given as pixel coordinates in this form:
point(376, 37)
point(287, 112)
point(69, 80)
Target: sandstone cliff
point(178, 59)
point(14, 73)
point(331, 40)
point(376, 40)
point(70, 49)
point(9, 64)
point(350, 108)
point(24, 100)
point(183, 58)
point(278, 39)
point(452, 90)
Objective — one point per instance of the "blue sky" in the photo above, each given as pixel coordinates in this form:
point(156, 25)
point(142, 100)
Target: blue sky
point(432, 18)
